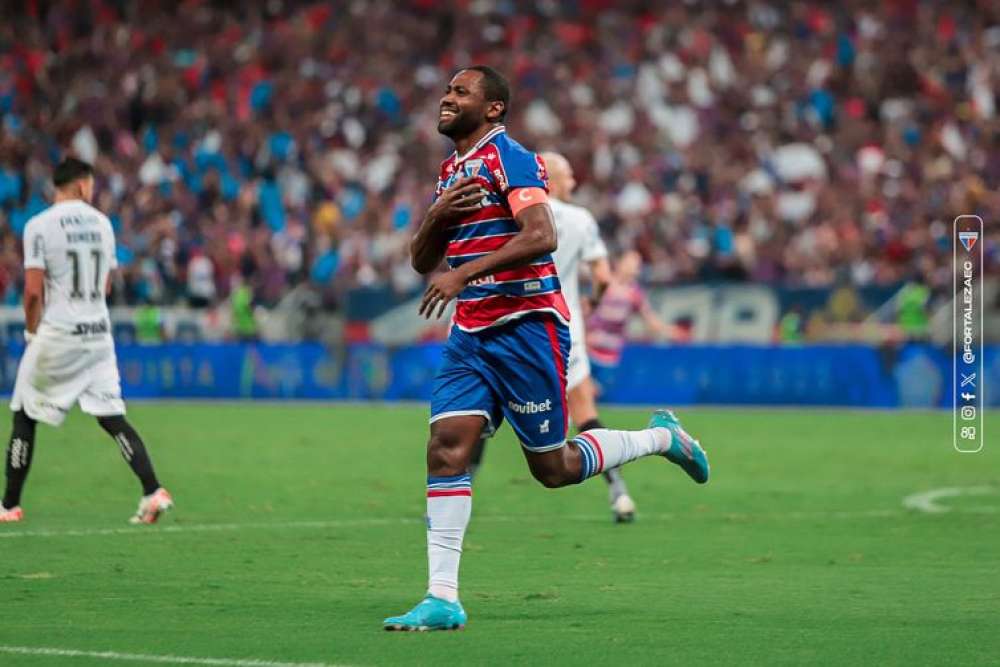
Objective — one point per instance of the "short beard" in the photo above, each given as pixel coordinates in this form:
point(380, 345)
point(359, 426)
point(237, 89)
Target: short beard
point(460, 126)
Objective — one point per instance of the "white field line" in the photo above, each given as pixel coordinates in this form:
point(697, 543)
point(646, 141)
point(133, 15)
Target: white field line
point(143, 657)
point(206, 528)
point(488, 518)
point(927, 501)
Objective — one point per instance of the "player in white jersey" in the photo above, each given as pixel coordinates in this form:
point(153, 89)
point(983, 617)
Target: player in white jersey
point(69, 357)
point(579, 243)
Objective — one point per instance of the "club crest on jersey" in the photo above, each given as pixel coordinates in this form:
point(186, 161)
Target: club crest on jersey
point(471, 167)
point(968, 239)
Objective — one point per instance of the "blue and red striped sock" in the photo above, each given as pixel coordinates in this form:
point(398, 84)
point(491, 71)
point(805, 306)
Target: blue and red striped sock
point(456, 485)
point(602, 448)
point(449, 506)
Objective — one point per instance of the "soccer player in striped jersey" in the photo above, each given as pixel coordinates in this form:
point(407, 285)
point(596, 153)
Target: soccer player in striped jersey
point(579, 242)
point(507, 353)
point(607, 324)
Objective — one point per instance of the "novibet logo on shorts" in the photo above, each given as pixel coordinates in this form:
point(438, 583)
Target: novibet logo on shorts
point(530, 408)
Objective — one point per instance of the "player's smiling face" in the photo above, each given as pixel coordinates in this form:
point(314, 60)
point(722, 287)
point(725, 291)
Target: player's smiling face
point(463, 108)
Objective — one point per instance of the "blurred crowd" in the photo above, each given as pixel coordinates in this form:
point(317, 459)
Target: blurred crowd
point(261, 146)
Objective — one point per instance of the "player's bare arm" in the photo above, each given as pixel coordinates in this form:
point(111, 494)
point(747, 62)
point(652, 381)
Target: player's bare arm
point(34, 298)
point(655, 325)
point(600, 277)
point(428, 246)
point(537, 237)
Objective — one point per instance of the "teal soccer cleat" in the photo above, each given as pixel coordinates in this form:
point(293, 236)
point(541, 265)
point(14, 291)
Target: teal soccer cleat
point(684, 450)
point(431, 614)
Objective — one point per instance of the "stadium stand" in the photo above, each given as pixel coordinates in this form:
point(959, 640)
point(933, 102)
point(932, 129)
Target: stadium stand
point(287, 143)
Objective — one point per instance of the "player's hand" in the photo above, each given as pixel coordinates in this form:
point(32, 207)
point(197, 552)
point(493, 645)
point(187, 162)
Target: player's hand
point(442, 288)
point(463, 197)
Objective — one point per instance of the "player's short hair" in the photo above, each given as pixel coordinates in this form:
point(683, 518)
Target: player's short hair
point(495, 86)
point(69, 170)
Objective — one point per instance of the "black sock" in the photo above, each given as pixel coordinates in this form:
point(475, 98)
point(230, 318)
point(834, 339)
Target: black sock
point(591, 424)
point(20, 451)
point(132, 449)
point(477, 457)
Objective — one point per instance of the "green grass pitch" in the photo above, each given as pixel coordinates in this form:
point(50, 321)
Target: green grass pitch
point(299, 527)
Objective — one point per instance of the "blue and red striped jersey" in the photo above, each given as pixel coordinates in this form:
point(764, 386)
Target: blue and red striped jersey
point(501, 165)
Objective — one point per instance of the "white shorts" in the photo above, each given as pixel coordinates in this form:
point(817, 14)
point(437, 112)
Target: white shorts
point(578, 368)
point(57, 371)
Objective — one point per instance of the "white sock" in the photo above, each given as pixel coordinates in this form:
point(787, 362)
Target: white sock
point(449, 505)
point(603, 449)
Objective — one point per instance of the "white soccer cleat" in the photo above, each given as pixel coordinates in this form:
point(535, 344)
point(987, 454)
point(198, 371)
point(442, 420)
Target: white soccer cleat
point(152, 506)
point(12, 515)
point(624, 509)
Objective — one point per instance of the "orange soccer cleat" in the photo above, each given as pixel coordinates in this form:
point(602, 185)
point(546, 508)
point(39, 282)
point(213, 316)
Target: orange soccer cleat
point(11, 515)
point(152, 506)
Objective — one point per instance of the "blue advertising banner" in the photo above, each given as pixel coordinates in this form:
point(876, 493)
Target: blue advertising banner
point(914, 375)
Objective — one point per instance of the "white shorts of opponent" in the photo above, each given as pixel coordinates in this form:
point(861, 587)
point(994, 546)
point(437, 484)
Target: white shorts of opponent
point(58, 370)
point(578, 368)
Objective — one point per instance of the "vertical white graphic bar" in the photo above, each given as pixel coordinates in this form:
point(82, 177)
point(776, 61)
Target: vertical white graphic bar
point(967, 347)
